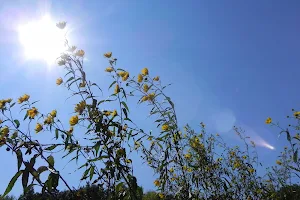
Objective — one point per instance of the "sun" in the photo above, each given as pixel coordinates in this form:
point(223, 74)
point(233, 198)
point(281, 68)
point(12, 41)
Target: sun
point(42, 40)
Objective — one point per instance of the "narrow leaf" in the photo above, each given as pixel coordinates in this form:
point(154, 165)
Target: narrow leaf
point(12, 183)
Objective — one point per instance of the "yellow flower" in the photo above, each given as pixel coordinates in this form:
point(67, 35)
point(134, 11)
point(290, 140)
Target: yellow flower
point(171, 169)
point(146, 88)
point(161, 195)
point(125, 127)
point(251, 170)
point(80, 107)
point(278, 162)
point(32, 112)
point(189, 169)
point(48, 120)
point(245, 157)
point(151, 96)
point(2, 104)
point(121, 73)
point(38, 127)
point(61, 25)
point(108, 54)
point(157, 183)
point(73, 120)
point(59, 81)
point(109, 69)
point(188, 155)
point(128, 161)
point(140, 78)
point(126, 76)
point(145, 72)
point(297, 114)
point(117, 89)
point(106, 113)
point(269, 120)
point(156, 78)
point(53, 113)
point(80, 53)
point(4, 131)
point(137, 145)
point(8, 100)
point(165, 127)
point(114, 113)
point(23, 98)
point(144, 98)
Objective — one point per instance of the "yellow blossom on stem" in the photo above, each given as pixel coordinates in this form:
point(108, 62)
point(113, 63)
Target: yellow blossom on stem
point(268, 120)
point(80, 53)
point(145, 88)
point(80, 107)
point(32, 112)
point(114, 113)
point(171, 169)
point(59, 81)
point(165, 127)
point(38, 127)
point(73, 120)
point(125, 77)
point(278, 162)
point(145, 72)
point(151, 96)
point(108, 54)
point(121, 73)
point(23, 98)
point(157, 183)
point(48, 120)
point(188, 155)
point(161, 195)
point(144, 98)
point(128, 161)
point(117, 89)
point(297, 114)
point(53, 113)
point(109, 69)
point(156, 78)
point(140, 78)
point(106, 113)
point(251, 170)
point(4, 131)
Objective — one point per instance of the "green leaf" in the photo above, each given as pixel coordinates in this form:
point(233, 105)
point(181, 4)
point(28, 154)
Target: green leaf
point(52, 147)
point(12, 183)
point(92, 172)
point(125, 105)
point(55, 179)
point(112, 84)
point(125, 112)
point(12, 105)
point(85, 173)
point(20, 158)
point(42, 169)
point(71, 78)
point(97, 147)
point(295, 156)
point(50, 160)
point(56, 133)
point(288, 136)
point(25, 178)
point(26, 115)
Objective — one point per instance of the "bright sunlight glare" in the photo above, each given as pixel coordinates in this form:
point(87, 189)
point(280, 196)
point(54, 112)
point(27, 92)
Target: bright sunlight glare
point(41, 39)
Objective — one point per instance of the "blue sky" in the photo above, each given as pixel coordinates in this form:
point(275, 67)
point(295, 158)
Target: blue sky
point(230, 62)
